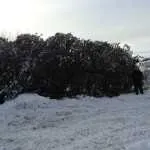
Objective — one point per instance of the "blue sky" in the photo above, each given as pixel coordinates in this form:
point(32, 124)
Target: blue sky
point(125, 21)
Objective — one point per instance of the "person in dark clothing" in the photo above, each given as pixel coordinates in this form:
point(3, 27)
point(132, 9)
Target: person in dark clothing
point(138, 77)
point(2, 97)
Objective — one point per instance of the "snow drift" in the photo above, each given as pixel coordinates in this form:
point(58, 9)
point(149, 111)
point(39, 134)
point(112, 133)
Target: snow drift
point(32, 122)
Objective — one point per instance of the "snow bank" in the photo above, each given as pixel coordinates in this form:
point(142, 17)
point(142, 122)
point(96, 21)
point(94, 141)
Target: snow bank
point(32, 122)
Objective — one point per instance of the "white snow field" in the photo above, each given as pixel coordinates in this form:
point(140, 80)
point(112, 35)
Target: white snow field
point(32, 122)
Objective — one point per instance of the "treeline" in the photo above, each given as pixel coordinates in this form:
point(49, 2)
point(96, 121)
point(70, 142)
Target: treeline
point(63, 65)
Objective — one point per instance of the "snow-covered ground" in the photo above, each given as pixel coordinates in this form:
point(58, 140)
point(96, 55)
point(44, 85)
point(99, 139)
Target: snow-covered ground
point(31, 122)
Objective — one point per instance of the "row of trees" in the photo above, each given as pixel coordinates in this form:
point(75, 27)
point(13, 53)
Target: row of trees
point(64, 65)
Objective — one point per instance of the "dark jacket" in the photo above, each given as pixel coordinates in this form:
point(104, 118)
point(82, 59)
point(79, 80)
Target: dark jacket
point(2, 97)
point(138, 77)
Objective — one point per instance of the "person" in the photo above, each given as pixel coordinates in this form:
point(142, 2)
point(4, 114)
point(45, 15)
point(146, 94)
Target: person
point(138, 78)
point(2, 97)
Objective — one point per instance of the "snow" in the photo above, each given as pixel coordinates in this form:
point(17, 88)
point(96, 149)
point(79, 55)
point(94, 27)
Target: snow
point(142, 145)
point(32, 122)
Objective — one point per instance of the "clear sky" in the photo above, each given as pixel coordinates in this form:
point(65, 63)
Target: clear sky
point(125, 21)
